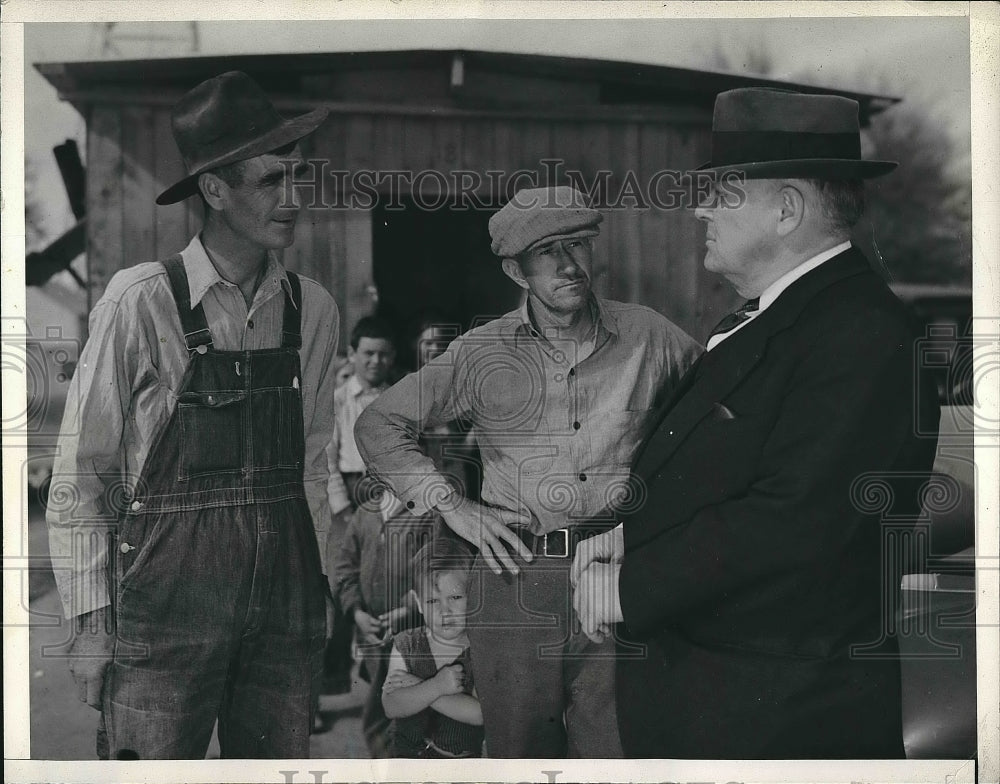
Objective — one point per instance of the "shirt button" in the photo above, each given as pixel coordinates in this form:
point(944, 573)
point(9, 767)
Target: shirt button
point(583, 477)
point(410, 504)
point(250, 323)
point(576, 425)
point(136, 506)
point(126, 547)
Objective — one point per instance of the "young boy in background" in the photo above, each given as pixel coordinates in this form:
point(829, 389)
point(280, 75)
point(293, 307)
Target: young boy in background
point(373, 591)
point(429, 691)
point(371, 357)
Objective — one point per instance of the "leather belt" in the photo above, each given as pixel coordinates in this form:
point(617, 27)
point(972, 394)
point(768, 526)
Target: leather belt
point(562, 542)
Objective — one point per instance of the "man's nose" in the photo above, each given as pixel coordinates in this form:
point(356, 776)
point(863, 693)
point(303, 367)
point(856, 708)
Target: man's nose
point(703, 213)
point(568, 264)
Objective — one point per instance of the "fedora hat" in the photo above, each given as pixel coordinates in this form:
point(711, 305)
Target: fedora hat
point(226, 119)
point(767, 134)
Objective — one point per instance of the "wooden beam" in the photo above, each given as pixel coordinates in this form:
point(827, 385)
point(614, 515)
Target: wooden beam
point(679, 115)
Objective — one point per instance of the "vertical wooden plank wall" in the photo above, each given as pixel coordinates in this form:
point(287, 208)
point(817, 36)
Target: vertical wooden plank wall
point(138, 186)
point(651, 256)
point(171, 221)
point(104, 199)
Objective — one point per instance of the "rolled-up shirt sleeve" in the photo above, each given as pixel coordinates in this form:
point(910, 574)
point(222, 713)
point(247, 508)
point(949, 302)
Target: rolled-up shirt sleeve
point(320, 375)
point(336, 489)
point(88, 478)
point(388, 430)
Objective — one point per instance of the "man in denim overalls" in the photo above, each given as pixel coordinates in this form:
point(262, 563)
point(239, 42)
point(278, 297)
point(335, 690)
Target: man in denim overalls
point(189, 493)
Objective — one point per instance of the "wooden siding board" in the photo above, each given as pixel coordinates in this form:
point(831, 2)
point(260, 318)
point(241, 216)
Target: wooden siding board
point(536, 146)
point(418, 143)
point(627, 248)
point(171, 220)
point(390, 141)
point(663, 252)
point(336, 254)
point(359, 149)
point(479, 155)
point(507, 155)
point(104, 198)
point(138, 186)
point(360, 281)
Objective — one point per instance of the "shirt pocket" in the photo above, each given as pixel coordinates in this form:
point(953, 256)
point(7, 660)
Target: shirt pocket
point(212, 432)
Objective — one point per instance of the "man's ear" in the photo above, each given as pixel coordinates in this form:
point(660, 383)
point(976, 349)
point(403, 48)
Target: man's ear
point(792, 209)
point(212, 188)
point(512, 270)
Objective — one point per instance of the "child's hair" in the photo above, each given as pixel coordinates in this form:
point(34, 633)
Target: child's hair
point(371, 327)
point(441, 554)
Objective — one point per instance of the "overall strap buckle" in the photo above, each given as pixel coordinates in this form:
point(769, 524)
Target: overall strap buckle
point(197, 336)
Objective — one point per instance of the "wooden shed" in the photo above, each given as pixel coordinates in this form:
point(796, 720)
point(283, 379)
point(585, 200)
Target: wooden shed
point(431, 130)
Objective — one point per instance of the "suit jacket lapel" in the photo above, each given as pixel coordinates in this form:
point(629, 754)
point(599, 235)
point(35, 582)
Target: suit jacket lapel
point(718, 372)
point(714, 378)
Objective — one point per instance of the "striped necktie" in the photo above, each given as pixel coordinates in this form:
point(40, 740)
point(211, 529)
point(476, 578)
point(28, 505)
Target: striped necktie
point(736, 318)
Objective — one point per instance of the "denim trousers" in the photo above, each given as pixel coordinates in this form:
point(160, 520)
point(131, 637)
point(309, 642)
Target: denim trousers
point(546, 690)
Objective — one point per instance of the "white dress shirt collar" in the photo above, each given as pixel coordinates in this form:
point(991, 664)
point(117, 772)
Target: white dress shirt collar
point(772, 292)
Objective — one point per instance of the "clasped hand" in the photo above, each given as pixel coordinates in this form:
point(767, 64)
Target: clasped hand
point(594, 575)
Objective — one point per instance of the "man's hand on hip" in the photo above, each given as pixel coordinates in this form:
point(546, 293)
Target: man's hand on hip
point(487, 528)
point(608, 547)
point(92, 651)
point(596, 600)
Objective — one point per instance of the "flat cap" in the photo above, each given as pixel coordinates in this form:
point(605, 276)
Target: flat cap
point(538, 214)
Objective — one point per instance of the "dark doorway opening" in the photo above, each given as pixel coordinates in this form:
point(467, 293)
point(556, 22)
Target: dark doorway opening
point(436, 262)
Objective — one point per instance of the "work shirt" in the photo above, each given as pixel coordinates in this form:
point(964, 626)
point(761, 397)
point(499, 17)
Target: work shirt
point(342, 453)
point(125, 389)
point(557, 435)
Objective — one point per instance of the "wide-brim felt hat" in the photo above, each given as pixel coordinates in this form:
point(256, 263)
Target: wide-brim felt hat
point(764, 133)
point(226, 119)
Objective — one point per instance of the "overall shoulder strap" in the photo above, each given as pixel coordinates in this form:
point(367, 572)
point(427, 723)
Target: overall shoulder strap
point(291, 328)
point(193, 321)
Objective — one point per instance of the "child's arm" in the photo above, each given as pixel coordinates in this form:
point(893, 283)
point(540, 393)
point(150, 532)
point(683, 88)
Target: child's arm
point(460, 707)
point(348, 593)
point(406, 695)
point(347, 567)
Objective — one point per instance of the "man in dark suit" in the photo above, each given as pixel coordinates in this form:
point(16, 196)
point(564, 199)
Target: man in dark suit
point(755, 574)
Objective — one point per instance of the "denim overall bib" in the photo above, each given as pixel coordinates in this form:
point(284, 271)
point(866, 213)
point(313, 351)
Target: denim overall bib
point(219, 597)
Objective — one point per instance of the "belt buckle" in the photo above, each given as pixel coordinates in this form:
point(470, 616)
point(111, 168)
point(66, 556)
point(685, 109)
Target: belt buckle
point(565, 544)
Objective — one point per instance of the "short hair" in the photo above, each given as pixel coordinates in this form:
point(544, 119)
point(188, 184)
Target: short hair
point(842, 202)
point(372, 327)
point(441, 554)
point(232, 173)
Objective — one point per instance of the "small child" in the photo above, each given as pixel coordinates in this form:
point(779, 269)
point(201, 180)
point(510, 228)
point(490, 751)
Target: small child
point(429, 692)
point(373, 590)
